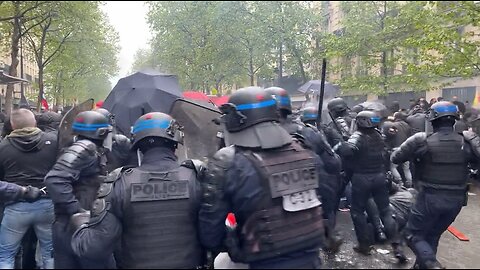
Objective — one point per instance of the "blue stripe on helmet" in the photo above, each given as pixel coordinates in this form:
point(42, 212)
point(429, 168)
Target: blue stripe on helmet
point(284, 100)
point(446, 109)
point(258, 105)
point(310, 115)
point(375, 119)
point(150, 124)
point(88, 127)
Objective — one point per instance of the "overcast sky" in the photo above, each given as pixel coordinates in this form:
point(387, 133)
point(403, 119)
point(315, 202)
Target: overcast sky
point(129, 19)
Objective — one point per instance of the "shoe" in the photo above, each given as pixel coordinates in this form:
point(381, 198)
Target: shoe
point(333, 244)
point(381, 237)
point(433, 265)
point(365, 250)
point(402, 259)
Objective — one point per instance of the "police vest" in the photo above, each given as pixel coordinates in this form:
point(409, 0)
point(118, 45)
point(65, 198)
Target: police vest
point(288, 217)
point(370, 157)
point(445, 162)
point(160, 219)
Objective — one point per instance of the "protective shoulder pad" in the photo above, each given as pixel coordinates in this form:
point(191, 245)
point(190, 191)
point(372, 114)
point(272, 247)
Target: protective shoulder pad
point(212, 184)
point(100, 205)
point(417, 138)
point(473, 140)
point(79, 154)
point(312, 127)
point(195, 164)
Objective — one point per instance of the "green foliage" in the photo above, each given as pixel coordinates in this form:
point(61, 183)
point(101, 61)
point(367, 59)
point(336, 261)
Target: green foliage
point(75, 49)
point(389, 46)
point(213, 44)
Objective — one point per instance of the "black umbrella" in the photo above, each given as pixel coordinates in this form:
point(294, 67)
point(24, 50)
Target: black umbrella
point(375, 106)
point(141, 93)
point(331, 90)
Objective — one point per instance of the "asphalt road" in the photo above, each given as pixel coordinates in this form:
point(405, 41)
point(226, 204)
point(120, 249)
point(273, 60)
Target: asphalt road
point(452, 253)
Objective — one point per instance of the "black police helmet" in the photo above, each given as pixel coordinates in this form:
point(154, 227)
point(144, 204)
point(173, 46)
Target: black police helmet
point(92, 125)
point(337, 105)
point(247, 107)
point(442, 109)
point(156, 124)
point(309, 114)
point(282, 98)
point(367, 119)
point(106, 113)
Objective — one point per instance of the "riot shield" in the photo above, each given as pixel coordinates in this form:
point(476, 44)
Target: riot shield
point(198, 127)
point(65, 136)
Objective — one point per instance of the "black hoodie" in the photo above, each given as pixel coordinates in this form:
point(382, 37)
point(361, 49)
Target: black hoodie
point(26, 159)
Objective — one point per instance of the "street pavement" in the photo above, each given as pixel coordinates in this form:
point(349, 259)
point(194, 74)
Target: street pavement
point(452, 253)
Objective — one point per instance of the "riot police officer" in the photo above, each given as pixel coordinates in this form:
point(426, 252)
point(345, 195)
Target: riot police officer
point(442, 158)
point(280, 223)
point(153, 208)
point(315, 139)
point(73, 183)
point(367, 148)
point(120, 154)
point(341, 120)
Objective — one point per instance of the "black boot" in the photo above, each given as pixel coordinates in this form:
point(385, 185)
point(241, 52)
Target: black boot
point(433, 265)
point(363, 249)
point(333, 243)
point(398, 253)
point(380, 236)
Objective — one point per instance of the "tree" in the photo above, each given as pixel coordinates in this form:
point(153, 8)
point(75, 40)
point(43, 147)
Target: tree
point(13, 15)
point(86, 62)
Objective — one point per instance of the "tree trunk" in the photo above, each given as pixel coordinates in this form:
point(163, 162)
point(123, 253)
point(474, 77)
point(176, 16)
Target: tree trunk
point(250, 67)
point(280, 62)
point(14, 58)
point(40, 88)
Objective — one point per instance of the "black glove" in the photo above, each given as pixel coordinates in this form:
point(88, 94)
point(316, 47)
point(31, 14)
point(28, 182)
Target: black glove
point(31, 194)
point(80, 218)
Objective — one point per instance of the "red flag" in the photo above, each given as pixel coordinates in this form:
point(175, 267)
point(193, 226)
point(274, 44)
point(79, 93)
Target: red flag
point(44, 102)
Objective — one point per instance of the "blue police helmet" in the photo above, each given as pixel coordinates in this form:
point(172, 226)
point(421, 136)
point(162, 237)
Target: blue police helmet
point(367, 119)
point(442, 109)
point(282, 98)
point(309, 114)
point(156, 124)
point(92, 125)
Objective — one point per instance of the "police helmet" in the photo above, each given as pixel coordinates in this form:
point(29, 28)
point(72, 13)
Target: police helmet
point(247, 107)
point(442, 109)
point(309, 114)
point(282, 98)
point(107, 114)
point(367, 119)
point(92, 125)
point(337, 105)
point(156, 124)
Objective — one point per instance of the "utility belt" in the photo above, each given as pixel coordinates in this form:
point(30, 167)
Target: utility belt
point(440, 191)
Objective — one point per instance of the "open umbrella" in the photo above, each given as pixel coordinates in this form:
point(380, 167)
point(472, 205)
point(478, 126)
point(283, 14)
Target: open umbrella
point(141, 93)
point(331, 90)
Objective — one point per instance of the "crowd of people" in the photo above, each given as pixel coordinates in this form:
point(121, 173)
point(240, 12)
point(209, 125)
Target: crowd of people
point(112, 200)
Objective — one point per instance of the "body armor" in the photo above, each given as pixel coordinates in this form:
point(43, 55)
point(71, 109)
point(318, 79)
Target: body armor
point(83, 155)
point(280, 224)
point(370, 155)
point(343, 123)
point(445, 163)
point(159, 222)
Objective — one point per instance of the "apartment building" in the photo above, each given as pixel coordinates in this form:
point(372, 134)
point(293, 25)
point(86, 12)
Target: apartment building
point(462, 89)
point(30, 73)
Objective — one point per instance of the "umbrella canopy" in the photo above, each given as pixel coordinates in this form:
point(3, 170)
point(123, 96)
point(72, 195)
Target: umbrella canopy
point(219, 100)
point(141, 93)
point(375, 106)
point(196, 96)
point(7, 79)
point(331, 90)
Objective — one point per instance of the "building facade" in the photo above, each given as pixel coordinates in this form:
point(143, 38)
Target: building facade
point(465, 90)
